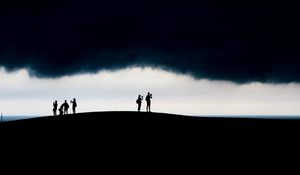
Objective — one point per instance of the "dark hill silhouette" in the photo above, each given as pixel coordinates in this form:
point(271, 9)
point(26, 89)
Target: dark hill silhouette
point(135, 128)
point(147, 122)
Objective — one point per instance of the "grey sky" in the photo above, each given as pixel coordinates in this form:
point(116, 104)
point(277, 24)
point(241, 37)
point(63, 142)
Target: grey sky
point(21, 94)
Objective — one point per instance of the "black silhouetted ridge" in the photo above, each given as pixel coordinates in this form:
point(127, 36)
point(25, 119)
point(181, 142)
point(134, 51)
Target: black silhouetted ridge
point(143, 121)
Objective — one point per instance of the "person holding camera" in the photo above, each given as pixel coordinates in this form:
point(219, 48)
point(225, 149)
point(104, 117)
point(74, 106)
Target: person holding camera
point(139, 102)
point(148, 100)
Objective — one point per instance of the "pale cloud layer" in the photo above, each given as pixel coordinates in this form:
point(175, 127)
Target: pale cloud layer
point(21, 94)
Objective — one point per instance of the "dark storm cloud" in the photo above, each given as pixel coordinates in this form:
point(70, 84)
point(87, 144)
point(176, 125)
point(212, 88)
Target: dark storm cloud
point(234, 41)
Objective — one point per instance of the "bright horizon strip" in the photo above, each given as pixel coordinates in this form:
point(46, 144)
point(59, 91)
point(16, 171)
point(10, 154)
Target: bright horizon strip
point(21, 94)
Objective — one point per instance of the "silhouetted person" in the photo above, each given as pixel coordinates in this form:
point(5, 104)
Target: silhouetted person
point(148, 100)
point(66, 107)
point(61, 109)
point(139, 102)
point(54, 108)
point(74, 105)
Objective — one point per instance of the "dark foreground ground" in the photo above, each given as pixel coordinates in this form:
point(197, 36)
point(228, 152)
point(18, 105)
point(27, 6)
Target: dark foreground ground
point(130, 139)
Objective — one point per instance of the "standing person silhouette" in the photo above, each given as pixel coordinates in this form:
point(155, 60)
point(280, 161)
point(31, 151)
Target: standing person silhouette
point(66, 107)
point(148, 100)
point(54, 108)
point(139, 102)
point(74, 105)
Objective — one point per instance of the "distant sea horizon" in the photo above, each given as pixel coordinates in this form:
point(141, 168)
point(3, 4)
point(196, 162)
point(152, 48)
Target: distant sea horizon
point(16, 117)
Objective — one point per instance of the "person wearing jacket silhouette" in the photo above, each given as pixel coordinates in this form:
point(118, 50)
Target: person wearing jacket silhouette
point(66, 107)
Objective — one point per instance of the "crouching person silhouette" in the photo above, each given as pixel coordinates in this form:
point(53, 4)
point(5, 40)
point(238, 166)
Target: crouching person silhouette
point(148, 100)
point(61, 110)
point(139, 102)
